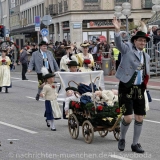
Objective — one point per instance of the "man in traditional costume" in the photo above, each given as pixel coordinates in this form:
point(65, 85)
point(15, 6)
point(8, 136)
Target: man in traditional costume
point(133, 73)
point(41, 58)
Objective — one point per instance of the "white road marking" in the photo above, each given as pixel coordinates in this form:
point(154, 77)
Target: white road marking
point(40, 99)
point(151, 121)
point(34, 98)
point(24, 80)
point(13, 139)
point(119, 157)
point(19, 128)
point(15, 78)
point(155, 99)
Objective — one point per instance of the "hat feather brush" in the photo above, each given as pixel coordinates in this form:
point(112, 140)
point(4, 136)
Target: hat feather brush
point(143, 27)
point(44, 71)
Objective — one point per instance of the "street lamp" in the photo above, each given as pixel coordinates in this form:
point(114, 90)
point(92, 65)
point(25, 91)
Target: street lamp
point(125, 10)
point(118, 12)
point(156, 6)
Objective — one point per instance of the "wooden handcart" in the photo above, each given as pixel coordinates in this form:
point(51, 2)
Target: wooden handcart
point(84, 119)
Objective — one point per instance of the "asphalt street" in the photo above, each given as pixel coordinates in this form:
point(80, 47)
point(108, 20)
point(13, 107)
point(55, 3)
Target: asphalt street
point(24, 134)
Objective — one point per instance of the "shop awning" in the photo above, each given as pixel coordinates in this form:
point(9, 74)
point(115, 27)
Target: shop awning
point(23, 30)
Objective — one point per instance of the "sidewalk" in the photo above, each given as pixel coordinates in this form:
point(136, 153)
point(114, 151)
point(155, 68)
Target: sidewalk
point(154, 82)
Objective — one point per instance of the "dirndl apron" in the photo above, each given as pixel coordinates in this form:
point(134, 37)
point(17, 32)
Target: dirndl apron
point(53, 110)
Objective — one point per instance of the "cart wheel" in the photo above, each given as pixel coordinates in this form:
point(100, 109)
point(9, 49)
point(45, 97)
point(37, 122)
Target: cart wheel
point(103, 133)
point(116, 133)
point(73, 126)
point(87, 131)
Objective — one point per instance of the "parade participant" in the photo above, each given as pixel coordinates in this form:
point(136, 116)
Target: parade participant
point(11, 56)
point(94, 51)
point(133, 73)
point(72, 66)
point(52, 110)
point(85, 59)
point(66, 58)
point(24, 62)
point(71, 95)
point(5, 78)
point(33, 48)
point(41, 58)
point(75, 49)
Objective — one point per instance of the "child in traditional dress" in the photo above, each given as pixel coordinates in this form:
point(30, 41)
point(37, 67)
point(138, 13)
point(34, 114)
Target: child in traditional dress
point(52, 109)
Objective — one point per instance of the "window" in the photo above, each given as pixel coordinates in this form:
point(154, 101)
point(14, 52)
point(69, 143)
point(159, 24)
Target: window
point(147, 4)
point(119, 2)
point(92, 4)
point(53, 10)
point(60, 7)
point(65, 6)
point(33, 14)
point(47, 11)
point(42, 9)
point(90, 1)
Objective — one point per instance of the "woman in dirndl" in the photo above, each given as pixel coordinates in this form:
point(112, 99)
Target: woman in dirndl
point(67, 58)
point(52, 109)
point(85, 59)
point(5, 78)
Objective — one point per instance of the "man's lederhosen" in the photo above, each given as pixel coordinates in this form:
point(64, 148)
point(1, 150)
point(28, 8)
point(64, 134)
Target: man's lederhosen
point(132, 96)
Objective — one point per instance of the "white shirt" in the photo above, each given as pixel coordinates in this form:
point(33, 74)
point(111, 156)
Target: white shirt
point(63, 63)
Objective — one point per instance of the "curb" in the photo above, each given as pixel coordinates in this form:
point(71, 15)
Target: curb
point(116, 83)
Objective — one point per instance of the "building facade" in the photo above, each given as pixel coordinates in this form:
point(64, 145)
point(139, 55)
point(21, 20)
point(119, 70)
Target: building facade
point(22, 17)
point(4, 13)
point(79, 20)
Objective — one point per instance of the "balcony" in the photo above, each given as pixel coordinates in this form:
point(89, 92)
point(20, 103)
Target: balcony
point(119, 2)
point(92, 4)
point(147, 4)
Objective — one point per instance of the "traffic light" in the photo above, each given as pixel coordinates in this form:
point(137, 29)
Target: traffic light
point(2, 31)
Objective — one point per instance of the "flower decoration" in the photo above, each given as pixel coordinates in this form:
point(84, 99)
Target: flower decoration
point(53, 86)
point(99, 108)
point(73, 103)
point(87, 61)
point(77, 105)
point(3, 60)
point(117, 110)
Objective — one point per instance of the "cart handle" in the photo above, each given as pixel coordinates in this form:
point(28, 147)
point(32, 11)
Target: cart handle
point(97, 78)
point(73, 82)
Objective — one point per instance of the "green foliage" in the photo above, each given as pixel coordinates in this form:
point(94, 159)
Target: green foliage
point(104, 115)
